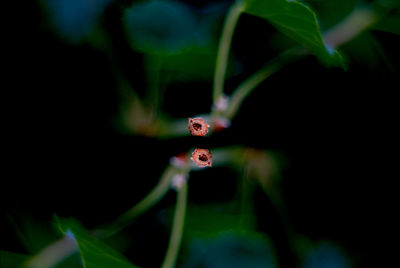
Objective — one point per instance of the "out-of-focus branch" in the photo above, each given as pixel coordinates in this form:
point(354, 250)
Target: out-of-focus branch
point(61, 249)
point(177, 228)
point(147, 202)
point(355, 23)
point(224, 46)
point(53, 254)
point(245, 88)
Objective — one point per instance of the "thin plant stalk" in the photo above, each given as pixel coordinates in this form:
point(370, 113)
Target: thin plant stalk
point(355, 23)
point(147, 202)
point(244, 89)
point(224, 47)
point(63, 248)
point(177, 228)
point(53, 254)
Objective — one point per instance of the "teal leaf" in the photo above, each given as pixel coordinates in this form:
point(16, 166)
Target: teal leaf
point(74, 20)
point(197, 62)
point(326, 255)
point(94, 253)
point(231, 249)
point(297, 21)
point(160, 26)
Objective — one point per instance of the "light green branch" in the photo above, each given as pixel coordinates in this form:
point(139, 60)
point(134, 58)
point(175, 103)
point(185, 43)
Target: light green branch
point(53, 254)
point(355, 23)
point(244, 89)
point(224, 46)
point(177, 228)
point(147, 202)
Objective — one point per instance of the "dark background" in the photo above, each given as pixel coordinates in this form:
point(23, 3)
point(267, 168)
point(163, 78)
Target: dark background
point(65, 155)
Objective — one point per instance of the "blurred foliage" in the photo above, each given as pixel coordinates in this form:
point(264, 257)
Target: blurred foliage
point(11, 259)
point(298, 22)
point(75, 20)
point(231, 249)
point(160, 26)
point(175, 42)
point(390, 23)
point(365, 49)
point(180, 37)
point(33, 234)
point(95, 254)
point(326, 255)
point(210, 220)
point(329, 13)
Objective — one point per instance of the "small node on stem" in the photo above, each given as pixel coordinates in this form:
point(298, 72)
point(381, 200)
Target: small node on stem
point(178, 180)
point(221, 123)
point(197, 126)
point(179, 161)
point(221, 104)
point(202, 157)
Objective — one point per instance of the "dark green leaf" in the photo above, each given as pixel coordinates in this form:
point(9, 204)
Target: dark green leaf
point(366, 50)
point(389, 24)
point(210, 220)
point(95, 254)
point(193, 64)
point(34, 235)
point(298, 22)
point(11, 259)
point(388, 4)
point(330, 13)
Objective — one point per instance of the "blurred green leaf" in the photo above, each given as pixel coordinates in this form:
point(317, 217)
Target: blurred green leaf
point(73, 261)
point(330, 13)
point(389, 24)
point(210, 220)
point(11, 259)
point(197, 62)
point(232, 249)
point(389, 4)
point(298, 22)
point(364, 49)
point(33, 234)
point(193, 64)
point(160, 26)
point(95, 254)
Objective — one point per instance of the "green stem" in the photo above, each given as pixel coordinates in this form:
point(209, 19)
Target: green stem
point(177, 228)
point(146, 203)
point(244, 89)
point(151, 199)
point(53, 254)
point(355, 23)
point(223, 49)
